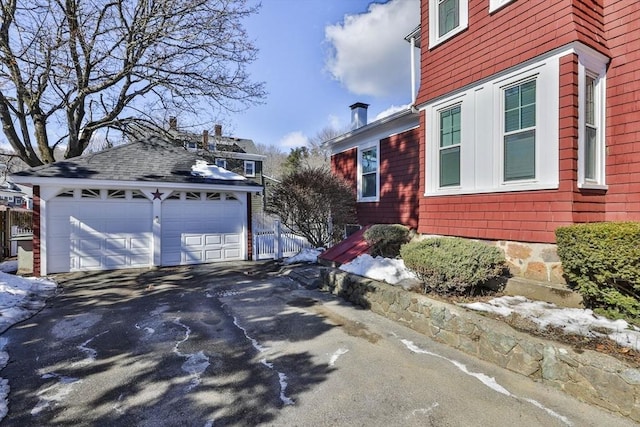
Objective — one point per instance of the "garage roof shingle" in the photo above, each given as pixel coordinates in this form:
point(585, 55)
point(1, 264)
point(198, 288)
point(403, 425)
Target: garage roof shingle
point(149, 159)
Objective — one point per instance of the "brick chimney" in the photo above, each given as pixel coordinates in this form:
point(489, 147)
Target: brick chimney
point(205, 140)
point(218, 130)
point(173, 123)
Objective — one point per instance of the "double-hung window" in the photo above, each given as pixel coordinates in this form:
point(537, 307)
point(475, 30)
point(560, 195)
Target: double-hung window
point(446, 19)
point(249, 168)
point(369, 173)
point(519, 136)
point(221, 163)
point(449, 155)
point(591, 138)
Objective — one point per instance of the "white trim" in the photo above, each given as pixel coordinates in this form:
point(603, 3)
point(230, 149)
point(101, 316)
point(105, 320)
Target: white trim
point(497, 4)
point(234, 155)
point(72, 183)
point(481, 155)
point(253, 168)
point(367, 147)
point(463, 22)
point(595, 66)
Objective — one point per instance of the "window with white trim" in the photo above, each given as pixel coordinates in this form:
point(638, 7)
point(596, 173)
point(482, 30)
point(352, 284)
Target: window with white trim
point(221, 163)
point(449, 146)
point(591, 112)
point(368, 173)
point(249, 168)
point(509, 133)
point(519, 127)
point(497, 4)
point(446, 19)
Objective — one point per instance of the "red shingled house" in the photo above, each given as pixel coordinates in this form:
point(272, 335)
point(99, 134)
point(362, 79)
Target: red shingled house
point(529, 119)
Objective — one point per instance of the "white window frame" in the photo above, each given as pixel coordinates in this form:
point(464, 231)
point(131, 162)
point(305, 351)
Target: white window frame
point(594, 66)
point(440, 149)
point(434, 22)
point(503, 134)
point(497, 4)
point(481, 160)
point(252, 168)
point(221, 163)
point(361, 149)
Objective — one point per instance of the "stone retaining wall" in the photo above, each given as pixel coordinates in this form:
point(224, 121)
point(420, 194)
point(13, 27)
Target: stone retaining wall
point(590, 376)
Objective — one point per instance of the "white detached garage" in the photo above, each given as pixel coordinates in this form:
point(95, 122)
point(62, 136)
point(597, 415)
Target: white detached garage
point(142, 204)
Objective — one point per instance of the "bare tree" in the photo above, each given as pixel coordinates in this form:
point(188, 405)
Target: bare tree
point(71, 67)
point(314, 203)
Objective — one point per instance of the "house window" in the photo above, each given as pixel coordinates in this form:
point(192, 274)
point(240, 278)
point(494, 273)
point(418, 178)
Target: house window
point(519, 137)
point(368, 173)
point(450, 146)
point(497, 4)
point(509, 132)
point(591, 151)
point(249, 168)
point(590, 130)
point(221, 163)
point(190, 195)
point(446, 19)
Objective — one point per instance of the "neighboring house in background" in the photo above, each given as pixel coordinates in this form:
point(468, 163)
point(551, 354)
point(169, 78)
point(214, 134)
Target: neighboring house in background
point(237, 155)
point(143, 204)
point(529, 120)
point(14, 195)
point(381, 161)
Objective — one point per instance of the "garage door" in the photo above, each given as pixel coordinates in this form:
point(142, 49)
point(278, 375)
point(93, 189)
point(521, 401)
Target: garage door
point(202, 227)
point(89, 234)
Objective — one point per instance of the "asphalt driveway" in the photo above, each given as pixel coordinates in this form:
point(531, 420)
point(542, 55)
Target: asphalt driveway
point(242, 344)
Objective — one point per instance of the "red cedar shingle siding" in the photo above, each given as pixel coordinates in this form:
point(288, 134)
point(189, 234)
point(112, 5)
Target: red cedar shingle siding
point(514, 34)
point(399, 180)
point(622, 33)
point(519, 216)
point(345, 166)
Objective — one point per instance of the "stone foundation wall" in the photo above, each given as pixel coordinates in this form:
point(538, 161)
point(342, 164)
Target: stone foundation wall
point(589, 376)
point(533, 261)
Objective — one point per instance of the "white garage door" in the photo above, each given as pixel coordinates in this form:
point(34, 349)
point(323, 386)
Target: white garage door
point(202, 227)
point(91, 234)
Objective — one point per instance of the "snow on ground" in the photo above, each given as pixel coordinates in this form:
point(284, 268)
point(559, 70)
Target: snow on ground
point(389, 270)
point(571, 320)
point(9, 266)
point(20, 298)
point(305, 255)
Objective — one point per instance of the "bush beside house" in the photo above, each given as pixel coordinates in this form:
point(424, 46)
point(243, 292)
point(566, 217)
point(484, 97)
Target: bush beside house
point(602, 262)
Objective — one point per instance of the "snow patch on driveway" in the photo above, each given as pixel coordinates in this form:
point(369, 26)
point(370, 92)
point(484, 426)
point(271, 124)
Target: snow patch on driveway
point(196, 363)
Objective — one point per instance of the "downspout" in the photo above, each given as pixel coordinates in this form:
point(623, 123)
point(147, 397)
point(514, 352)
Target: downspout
point(413, 70)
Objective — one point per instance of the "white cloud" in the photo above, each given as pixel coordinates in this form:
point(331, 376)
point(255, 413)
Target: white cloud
point(369, 55)
point(293, 140)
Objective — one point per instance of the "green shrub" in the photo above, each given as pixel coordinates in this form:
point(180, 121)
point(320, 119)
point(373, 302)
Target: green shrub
point(385, 239)
point(453, 265)
point(602, 262)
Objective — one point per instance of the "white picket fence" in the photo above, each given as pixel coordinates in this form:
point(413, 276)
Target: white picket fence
point(272, 240)
point(15, 232)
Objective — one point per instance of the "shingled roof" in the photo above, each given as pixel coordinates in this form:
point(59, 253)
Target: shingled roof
point(150, 159)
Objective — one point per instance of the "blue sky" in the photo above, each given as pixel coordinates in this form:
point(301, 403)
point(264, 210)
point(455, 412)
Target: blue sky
point(317, 57)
